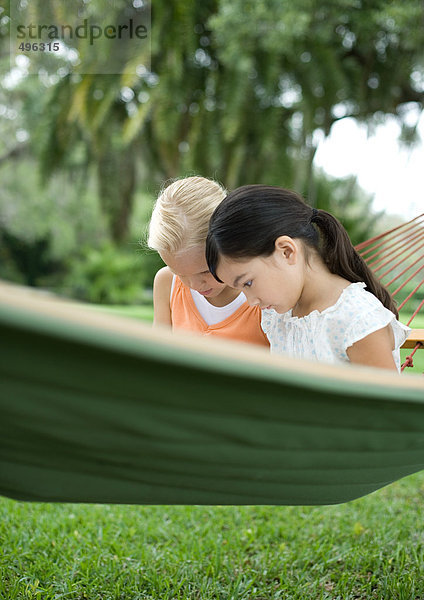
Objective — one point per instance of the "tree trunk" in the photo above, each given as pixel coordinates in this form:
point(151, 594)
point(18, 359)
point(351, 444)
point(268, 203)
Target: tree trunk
point(116, 184)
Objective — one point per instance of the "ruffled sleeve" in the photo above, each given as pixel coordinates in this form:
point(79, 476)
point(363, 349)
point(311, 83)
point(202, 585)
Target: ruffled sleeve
point(401, 332)
point(368, 322)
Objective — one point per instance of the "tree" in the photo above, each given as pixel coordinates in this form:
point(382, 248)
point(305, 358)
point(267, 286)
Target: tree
point(243, 87)
point(238, 90)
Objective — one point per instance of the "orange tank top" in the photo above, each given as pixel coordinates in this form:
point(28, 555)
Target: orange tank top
point(244, 325)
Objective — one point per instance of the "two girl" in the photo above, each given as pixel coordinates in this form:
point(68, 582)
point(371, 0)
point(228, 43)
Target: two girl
point(309, 291)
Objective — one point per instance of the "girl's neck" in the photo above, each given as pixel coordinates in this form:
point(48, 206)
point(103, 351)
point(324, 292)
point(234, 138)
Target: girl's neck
point(321, 290)
point(225, 297)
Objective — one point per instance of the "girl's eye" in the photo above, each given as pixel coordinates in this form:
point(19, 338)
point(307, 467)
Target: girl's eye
point(248, 283)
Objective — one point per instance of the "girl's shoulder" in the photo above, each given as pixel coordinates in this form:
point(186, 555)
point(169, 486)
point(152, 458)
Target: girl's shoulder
point(353, 303)
point(161, 296)
point(356, 299)
point(163, 282)
point(163, 276)
point(364, 314)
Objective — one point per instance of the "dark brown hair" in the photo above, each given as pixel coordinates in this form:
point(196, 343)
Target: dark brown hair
point(252, 217)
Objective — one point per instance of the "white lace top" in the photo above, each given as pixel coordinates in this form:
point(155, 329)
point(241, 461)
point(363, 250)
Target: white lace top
point(325, 336)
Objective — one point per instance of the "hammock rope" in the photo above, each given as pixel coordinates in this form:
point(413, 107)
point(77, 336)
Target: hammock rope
point(398, 251)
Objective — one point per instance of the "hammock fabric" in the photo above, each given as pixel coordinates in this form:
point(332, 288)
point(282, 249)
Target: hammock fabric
point(96, 408)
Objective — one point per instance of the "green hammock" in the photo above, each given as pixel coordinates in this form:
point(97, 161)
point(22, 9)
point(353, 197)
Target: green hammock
point(101, 409)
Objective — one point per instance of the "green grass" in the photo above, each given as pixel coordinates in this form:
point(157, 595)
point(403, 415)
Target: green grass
point(418, 360)
point(143, 312)
point(370, 548)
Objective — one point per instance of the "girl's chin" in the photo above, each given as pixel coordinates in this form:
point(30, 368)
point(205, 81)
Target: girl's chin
point(279, 309)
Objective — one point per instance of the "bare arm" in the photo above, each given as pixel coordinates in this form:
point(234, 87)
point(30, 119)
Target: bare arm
point(374, 350)
point(161, 297)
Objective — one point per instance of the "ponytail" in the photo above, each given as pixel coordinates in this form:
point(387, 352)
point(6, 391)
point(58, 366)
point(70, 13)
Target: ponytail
point(341, 258)
point(249, 220)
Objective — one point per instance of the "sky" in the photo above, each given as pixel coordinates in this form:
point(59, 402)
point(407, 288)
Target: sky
point(395, 175)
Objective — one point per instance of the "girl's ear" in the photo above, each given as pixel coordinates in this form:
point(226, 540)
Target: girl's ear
point(286, 247)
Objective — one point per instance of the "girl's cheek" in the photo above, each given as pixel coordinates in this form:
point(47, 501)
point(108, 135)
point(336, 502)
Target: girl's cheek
point(212, 281)
point(248, 293)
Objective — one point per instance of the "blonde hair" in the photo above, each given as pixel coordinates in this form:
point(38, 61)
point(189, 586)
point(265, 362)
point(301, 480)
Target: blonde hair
point(181, 214)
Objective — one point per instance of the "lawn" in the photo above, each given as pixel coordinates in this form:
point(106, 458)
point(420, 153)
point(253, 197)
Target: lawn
point(370, 548)
point(143, 312)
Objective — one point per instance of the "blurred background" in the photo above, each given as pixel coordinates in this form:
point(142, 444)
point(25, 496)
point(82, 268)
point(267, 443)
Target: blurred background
point(322, 97)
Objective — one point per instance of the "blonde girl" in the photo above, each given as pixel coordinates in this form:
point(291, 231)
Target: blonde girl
point(185, 294)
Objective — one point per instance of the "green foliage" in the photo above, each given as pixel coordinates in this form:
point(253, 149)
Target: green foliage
point(237, 90)
point(42, 230)
point(104, 275)
point(78, 137)
point(9, 270)
point(150, 261)
point(264, 76)
point(28, 262)
point(346, 200)
point(40, 226)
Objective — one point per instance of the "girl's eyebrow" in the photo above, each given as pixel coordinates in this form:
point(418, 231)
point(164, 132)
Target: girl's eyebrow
point(237, 279)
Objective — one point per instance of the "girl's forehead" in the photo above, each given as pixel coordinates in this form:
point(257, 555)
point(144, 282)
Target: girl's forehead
point(186, 262)
point(232, 269)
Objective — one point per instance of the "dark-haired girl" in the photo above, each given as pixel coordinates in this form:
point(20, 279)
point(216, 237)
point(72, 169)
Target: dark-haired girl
point(320, 301)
